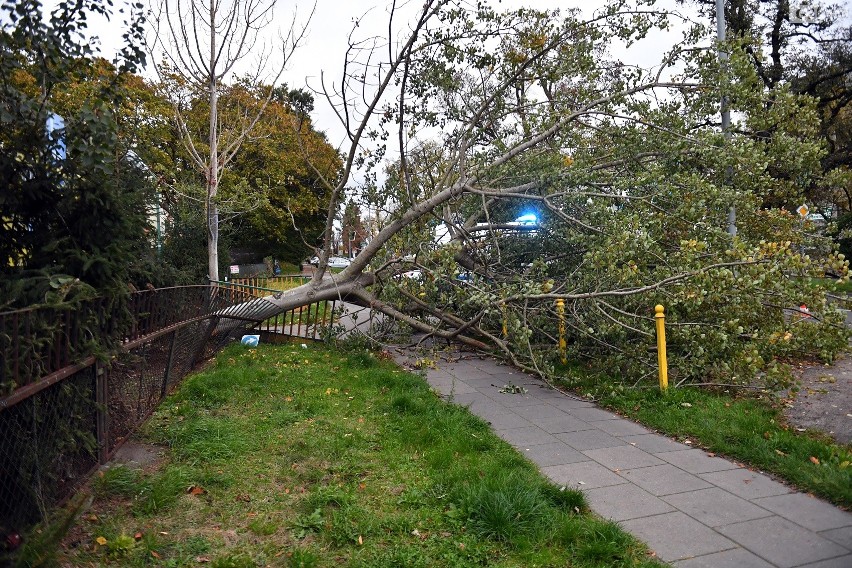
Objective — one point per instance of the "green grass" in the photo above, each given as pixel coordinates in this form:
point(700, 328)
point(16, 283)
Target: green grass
point(749, 428)
point(286, 456)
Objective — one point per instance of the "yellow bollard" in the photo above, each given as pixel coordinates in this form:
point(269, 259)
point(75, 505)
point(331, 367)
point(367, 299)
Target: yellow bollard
point(560, 311)
point(661, 347)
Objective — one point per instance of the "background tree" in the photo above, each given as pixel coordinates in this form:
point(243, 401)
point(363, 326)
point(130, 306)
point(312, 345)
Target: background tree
point(353, 234)
point(196, 45)
point(60, 182)
point(806, 45)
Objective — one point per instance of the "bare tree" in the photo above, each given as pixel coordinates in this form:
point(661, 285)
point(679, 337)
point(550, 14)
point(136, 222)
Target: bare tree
point(624, 170)
point(195, 46)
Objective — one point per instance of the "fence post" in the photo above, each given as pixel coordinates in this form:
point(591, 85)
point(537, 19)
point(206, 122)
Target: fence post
point(661, 347)
point(169, 363)
point(102, 403)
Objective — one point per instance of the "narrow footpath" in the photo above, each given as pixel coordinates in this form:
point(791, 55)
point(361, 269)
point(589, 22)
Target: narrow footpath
point(694, 510)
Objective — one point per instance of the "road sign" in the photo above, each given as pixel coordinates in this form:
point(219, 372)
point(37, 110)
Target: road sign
point(235, 269)
point(803, 211)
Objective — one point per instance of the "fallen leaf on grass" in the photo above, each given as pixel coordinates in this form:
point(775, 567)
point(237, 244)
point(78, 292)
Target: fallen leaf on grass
point(101, 540)
point(814, 460)
point(202, 559)
point(196, 490)
point(360, 539)
point(155, 555)
point(138, 536)
point(780, 453)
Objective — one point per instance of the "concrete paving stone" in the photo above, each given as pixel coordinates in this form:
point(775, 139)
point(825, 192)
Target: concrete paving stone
point(505, 378)
point(559, 425)
point(654, 443)
point(697, 461)
point(809, 512)
point(490, 366)
point(589, 439)
point(541, 411)
point(482, 382)
point(622, 457)
point(715, 507)
point(664, 479)
point(505, 420)
point(747, 484)
point(583, 475)
point(781, 542)
point(472, 398)
point(516, 400)
point(621, 427)
point(736, 558)
point(527, 436)
point(438, 374)
point(452, 388)
point(839, 562)
point(552, 454)
point(625, 502)
point(843, 536)
point(592, 414)
point(564, 402)
point(675, 536)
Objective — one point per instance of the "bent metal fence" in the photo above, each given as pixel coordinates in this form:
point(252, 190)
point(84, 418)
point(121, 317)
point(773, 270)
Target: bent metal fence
point(75, 383)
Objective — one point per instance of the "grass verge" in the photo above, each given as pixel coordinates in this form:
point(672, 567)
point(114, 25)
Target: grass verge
point(285, 456)
point(749, 428)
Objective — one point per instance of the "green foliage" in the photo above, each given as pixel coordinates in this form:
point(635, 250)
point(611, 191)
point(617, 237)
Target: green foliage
point(61, 182)
point(504, 507)
point(632, 206)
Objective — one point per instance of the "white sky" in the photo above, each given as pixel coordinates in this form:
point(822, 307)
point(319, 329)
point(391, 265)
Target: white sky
point(324, 45)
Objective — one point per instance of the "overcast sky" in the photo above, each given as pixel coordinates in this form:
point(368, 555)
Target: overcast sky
point(324, 44)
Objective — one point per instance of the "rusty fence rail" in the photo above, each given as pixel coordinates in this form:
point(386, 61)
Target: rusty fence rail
point(74, 384)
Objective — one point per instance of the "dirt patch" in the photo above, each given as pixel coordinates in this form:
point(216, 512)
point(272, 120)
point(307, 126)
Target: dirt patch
point(137, 454)
point(824, 401)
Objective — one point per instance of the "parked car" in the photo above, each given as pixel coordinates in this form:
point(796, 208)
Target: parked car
point(333, 261)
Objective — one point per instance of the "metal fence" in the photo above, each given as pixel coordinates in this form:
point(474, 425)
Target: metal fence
point(75, 383)
point(309, 322)
point(272, 283)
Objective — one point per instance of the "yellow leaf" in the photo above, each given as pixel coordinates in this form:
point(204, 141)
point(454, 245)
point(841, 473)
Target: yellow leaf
point(101, 540)
point(814, 460)
point(360, 539)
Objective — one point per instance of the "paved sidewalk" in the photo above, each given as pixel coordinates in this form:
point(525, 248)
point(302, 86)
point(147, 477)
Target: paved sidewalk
point(693, 509)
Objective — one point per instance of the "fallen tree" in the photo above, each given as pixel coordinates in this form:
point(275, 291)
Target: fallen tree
point(623, 179)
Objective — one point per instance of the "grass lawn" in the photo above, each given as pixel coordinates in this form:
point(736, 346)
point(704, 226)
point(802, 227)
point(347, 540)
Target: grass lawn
point(746, 428)
point(284, 456)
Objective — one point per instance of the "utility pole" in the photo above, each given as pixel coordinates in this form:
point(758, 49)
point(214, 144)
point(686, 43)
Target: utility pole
point(726, 113)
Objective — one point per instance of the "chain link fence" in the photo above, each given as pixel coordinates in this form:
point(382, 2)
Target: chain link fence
point(74, 384)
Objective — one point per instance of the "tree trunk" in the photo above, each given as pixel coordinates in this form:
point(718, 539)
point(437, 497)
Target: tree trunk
point(213, 171)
